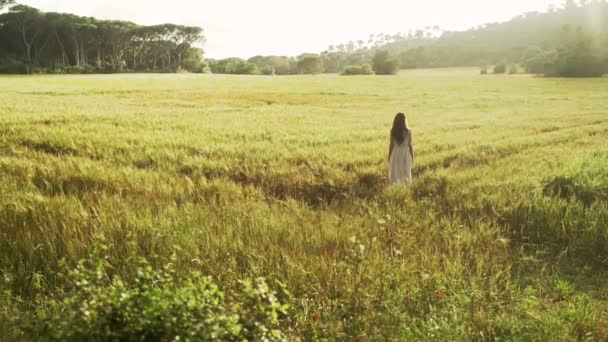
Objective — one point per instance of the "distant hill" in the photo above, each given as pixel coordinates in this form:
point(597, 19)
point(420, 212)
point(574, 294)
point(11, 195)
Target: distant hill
point(508, 42)
point(568, 41)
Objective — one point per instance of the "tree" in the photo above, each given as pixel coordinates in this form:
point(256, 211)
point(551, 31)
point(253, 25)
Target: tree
point(118, 34)
point(500, 69)
point(26, 21)
point(364, 69)
point(542, 60)
point(577, 57)
point(184, 37)
point(58, 28)
point(310, 64)
point(70, 43)
point(141, 36)
point(193, 60)
point(232, 66)
point(273, 65)
point(4, 3)
point(384, 64)
point(486, 44)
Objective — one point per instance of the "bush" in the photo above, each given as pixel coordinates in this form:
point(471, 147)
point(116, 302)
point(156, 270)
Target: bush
point(484, 70)
point(500, 69)
point(513, 69)
point(267, 70)
point(384, 64)
point(76, 70)
point(310, 64)
point(578, 57)
point(233, 66)
point(538, 63)
point(193, 61)
point(13, 66)
point(274, 65)
point(154, 306)
point(364, 69)
point(569, 65)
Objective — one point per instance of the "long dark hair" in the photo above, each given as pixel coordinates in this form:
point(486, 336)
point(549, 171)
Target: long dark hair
point(399, 128)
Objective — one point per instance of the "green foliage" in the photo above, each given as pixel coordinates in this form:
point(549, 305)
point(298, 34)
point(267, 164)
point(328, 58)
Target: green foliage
point(4, 3)
point(310, 64)
point(384, 63)
point(483, 70)
point(364, 69)
point(155, 305)
point(236, 66)
point(275, 65)
point(577, 57)
point(59, 42)
point(13, 66)
point(193, 61)
point(500, 69)
point(516, 41)
point(537, 64)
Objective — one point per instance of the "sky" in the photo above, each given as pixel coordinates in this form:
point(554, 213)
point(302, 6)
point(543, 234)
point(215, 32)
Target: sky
point(246, 28)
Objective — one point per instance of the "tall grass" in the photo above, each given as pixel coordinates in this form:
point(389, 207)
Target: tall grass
point(503, 234)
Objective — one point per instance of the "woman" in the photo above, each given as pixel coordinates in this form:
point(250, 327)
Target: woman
point(400, 152)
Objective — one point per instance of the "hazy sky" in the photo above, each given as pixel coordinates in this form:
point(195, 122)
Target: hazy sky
point(246, 28)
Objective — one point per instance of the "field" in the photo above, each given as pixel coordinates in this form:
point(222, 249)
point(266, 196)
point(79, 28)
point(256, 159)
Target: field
point(503, 235)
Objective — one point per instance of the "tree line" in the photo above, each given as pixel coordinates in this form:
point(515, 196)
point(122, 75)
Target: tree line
point(35, 41)
point(570, 41)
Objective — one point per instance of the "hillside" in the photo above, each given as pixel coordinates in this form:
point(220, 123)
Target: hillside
point(576, 34)
point(507, 42)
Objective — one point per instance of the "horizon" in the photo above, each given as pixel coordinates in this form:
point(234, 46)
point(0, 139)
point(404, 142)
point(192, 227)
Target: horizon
point(268, 28)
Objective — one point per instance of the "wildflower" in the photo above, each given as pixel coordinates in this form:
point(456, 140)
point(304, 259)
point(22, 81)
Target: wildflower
point(315, 316)
point(438, 293)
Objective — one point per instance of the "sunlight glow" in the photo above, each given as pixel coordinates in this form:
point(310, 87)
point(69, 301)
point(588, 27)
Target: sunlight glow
point(247, 28)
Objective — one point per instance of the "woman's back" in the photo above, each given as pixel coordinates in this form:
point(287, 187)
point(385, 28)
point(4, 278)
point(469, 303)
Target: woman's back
point(400, 164)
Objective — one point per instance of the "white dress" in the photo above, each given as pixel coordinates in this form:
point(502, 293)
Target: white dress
point(400, 165)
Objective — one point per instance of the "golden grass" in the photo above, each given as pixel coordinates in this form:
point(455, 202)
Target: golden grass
point(284, 177)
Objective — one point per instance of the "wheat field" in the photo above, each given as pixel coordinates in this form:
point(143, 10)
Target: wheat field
point(503, 235)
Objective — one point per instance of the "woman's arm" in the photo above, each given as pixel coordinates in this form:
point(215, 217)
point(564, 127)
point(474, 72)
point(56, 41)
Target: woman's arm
point(390, 148)
point(411, 148)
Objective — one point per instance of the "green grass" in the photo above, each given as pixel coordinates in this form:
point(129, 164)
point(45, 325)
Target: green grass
point(285, 178)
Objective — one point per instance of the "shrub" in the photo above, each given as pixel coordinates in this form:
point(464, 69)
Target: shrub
point(154, 306)
point(578, 57)
point(274, 65)
point(233, 66)
point(73, 69)
point(484, 70)
point(500, 69)
point(538, 63)
point(364, 69)
point(310, 64)
point(513, 69)
point(384, 64)
point(193, 61)
point(267, 70)
point(13, 66)
point(569, 65)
